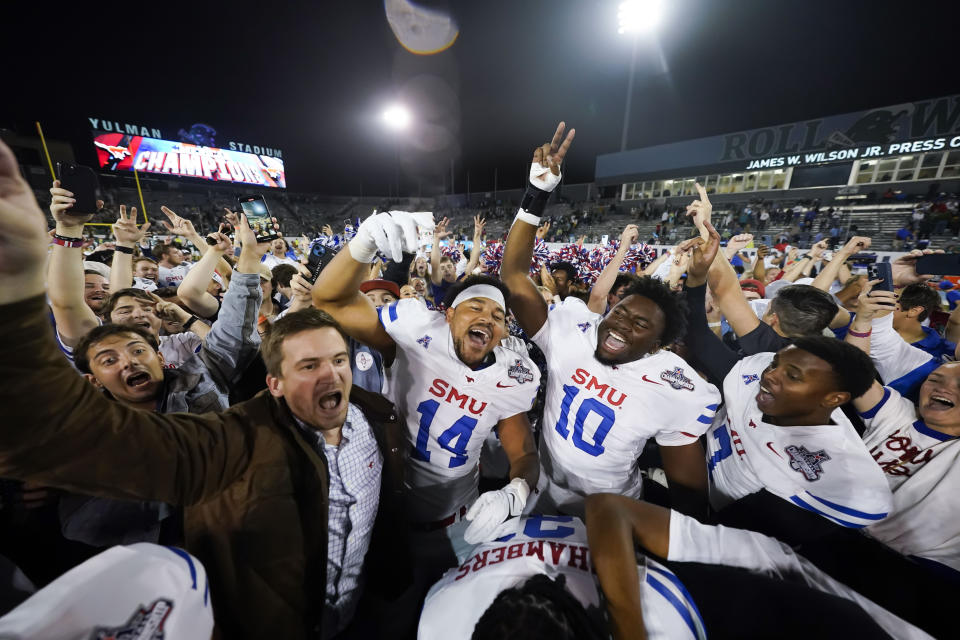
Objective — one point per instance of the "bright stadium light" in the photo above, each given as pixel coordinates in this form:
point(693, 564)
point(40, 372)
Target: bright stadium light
point(639, 16)
point(396, 117)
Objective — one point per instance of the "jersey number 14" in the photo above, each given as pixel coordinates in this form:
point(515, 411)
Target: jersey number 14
point(454, 439)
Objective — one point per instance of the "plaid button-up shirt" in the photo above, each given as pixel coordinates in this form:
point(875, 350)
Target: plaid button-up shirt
point(355, 467)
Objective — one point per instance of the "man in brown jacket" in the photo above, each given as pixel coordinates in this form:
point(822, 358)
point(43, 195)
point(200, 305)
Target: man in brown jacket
point(255, 480)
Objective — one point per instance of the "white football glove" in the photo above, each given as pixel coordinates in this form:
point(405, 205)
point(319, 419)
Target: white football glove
point(496, 513)
point(391, 232)
point(542, 178)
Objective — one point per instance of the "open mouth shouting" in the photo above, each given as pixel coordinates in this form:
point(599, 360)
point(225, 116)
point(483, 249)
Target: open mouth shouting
point(479, 336)
point(939, 402)
point(137, 379)
point(764, 396)
point(331, 402)
point(614, 342)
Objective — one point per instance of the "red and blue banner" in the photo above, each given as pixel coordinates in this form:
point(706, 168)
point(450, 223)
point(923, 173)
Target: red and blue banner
point(125, 152)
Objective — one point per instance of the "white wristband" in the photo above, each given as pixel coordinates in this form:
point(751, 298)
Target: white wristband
point(529, 218)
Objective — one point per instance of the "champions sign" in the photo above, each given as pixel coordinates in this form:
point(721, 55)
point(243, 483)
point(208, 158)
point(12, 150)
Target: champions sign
point(125, 152)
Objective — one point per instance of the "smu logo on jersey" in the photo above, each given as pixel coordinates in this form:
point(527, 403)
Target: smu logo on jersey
point(750, 377)
point(583, 377)
point(448, 393)
point(676, 379)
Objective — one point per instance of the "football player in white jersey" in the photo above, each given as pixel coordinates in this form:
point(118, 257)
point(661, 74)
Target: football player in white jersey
point(917, 447)
point(542, 582)
point(453, 382)
point(611, 385)
point(782, 430)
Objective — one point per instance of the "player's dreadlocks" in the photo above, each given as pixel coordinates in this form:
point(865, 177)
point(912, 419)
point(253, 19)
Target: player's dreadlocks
point(539, 609)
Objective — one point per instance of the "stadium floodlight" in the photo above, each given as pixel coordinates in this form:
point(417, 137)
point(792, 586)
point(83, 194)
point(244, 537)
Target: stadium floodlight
point(639, 16)
point(396, 117)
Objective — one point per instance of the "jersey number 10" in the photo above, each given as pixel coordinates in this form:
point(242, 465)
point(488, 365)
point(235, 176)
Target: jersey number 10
point(454, 439)
point(606, 414)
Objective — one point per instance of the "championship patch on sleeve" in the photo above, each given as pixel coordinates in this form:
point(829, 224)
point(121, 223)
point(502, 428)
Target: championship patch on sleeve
point(519, 372)
point(146, 623)
point(809, 463)
point(676, 379)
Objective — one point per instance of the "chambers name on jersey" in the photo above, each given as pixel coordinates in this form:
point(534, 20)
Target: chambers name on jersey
point(597, 418)
point(822, 468)
point(449, 407)
point(554, 546)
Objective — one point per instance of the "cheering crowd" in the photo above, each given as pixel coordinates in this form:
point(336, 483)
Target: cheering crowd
point(380, 434)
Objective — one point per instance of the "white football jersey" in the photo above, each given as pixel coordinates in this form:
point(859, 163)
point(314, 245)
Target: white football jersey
point(172, 276)
point(922, 467)
point(138, 591)
point(823, 468)
point(691, 541)
point(175, 348)
point(597, 418)
point(553, 546)
point(449, 407)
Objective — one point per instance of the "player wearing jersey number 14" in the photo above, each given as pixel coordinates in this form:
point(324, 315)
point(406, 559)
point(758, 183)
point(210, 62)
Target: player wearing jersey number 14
point(452, 380)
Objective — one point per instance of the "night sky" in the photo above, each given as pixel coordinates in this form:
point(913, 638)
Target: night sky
point(313, 78)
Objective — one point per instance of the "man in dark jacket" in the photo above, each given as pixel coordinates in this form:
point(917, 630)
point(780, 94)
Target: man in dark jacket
point(266, 508)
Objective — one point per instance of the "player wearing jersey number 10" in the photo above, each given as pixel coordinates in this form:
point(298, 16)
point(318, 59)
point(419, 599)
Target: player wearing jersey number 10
point(610, 386)
point(453, 382)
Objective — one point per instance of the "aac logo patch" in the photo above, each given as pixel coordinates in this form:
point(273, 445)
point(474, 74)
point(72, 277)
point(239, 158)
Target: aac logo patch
point(750, 377)
point(425, 341)
point(520, 373)
point(584, 326)
point(145, 624)
point(363, 360)
point(809, 463)
point(676, 379)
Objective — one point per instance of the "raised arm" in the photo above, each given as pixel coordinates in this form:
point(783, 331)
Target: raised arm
point(759, 265)
point(65, 281)
point(193, 289)
point(439, 233)
point(478, 225)
point(735, 244)
point(601, 288)
point(57, 426)
point(872, 305)
point(233, 341)
point(653, 266)
point(127, 235)
point(337, 290)
point(724, 284)
point(713, 357)
point(831, 271)
point(525, 301)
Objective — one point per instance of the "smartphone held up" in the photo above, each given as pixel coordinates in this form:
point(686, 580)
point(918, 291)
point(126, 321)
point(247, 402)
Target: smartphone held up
point(82, 183)
point(258, 217)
